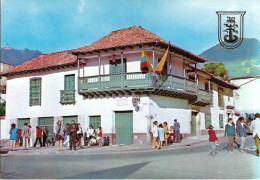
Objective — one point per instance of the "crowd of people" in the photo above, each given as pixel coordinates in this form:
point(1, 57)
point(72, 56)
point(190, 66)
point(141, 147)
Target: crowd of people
point(162, 135)
point(70, 135)
point(238, 130)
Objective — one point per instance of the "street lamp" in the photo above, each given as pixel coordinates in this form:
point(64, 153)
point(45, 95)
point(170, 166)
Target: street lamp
point(237, 96)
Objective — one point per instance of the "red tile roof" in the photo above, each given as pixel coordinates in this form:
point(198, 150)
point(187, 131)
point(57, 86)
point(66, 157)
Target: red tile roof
point(123, 37)
point(44, 61)
point(133, 36)
point(216, 79)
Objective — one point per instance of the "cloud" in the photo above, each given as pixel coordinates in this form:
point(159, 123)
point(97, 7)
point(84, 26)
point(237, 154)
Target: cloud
point(81, 5)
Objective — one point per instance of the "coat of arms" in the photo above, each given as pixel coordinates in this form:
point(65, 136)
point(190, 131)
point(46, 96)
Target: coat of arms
point(230, 28)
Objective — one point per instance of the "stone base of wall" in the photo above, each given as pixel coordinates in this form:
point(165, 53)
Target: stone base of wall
point(138, 138)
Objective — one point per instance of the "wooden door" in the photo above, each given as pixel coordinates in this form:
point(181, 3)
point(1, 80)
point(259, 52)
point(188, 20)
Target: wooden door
point(124, 127)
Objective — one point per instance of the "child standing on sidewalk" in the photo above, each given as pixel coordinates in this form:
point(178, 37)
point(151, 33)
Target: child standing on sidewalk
point(212, 140)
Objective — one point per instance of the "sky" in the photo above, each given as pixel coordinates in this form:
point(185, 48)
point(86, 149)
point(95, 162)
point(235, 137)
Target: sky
point(57, 25)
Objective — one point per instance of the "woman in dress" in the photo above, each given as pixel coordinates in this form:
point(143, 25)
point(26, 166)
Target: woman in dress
point(60, 130)
point(13, 136)
point(154, 131)
point(166, 134)
point(161, 133)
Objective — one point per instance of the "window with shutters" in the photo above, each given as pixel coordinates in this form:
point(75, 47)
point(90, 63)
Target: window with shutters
point(68, 94)
point(221, 124)
point(48, 122)
point(35, 91)
point(95, 121)
point(220, 97)
point(207, 120)
point(69, 82)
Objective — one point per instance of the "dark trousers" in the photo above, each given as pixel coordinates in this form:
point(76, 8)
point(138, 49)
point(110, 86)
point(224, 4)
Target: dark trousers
point(40, 140)
point(177, 136)
point(44, 140)
point(73, 141)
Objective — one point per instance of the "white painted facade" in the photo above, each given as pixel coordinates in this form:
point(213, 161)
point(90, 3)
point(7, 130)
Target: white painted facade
point(247, 99)
point(152, 107)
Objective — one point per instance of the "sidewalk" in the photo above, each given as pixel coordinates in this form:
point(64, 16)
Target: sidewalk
point(106, 149)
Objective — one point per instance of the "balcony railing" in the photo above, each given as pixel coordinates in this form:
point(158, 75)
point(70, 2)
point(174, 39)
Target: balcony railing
point(67, 96)
point(203, 95)
point(135, 81)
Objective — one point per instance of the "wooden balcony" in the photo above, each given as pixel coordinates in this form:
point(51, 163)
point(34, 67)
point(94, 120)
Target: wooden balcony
point(203, 98)
point(137, 83)
point(67, 96)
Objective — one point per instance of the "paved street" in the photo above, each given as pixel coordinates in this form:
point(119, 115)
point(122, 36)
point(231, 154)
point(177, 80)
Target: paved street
point(176, 162)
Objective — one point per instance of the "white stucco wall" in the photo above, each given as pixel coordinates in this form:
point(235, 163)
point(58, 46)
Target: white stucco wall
point(167, 109)
point(249, 99)
point(52, 82)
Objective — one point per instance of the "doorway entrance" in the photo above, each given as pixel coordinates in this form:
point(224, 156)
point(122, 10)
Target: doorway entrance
point(124, 127)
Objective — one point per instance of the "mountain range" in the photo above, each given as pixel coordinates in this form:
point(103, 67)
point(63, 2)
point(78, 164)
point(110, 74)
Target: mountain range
point(241, 61)
point(14, 57)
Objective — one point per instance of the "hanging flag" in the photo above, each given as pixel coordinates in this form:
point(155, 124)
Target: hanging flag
point(159, 67)
point(146, 65)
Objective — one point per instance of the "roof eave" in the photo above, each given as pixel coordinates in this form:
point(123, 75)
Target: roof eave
point(161, 44)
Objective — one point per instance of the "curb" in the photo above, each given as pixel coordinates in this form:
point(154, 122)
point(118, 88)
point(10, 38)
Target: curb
point(108, 151)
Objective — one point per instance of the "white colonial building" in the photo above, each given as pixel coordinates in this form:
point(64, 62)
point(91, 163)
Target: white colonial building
point(246, 98)
point(102, 84)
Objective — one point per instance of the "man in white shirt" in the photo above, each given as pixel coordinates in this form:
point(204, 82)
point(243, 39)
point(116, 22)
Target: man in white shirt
point(255, 127)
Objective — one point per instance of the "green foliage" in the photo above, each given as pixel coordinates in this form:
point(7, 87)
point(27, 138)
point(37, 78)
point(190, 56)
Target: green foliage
point(218, 69)
point(2, 109)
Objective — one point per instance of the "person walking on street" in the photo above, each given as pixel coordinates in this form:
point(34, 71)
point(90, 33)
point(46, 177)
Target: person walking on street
point(79, 136)
point(166, 134)
point(31, 135)
point(212, 140)
point(25, 135)
point(161, 133)
point(235, 142)
point(13, 136)
point(45, 135)
point(230, 131)
point(255, 127)
point(241, 132)
point(60, 130)
point(67, 139)
point(176, 127)
point(38, 136)
point(155, 134)
point(73, 128)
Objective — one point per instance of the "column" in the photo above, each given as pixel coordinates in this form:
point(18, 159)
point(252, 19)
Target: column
point(184, 75)
point(122, 70)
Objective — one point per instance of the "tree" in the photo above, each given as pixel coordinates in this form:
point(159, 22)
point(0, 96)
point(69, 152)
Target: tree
point(2, 109)
point(217, 69)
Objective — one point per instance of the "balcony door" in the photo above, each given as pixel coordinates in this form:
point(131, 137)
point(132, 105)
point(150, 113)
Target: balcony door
point(116, 69)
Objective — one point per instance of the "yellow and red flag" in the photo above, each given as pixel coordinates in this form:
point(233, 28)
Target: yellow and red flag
point(160, 65)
